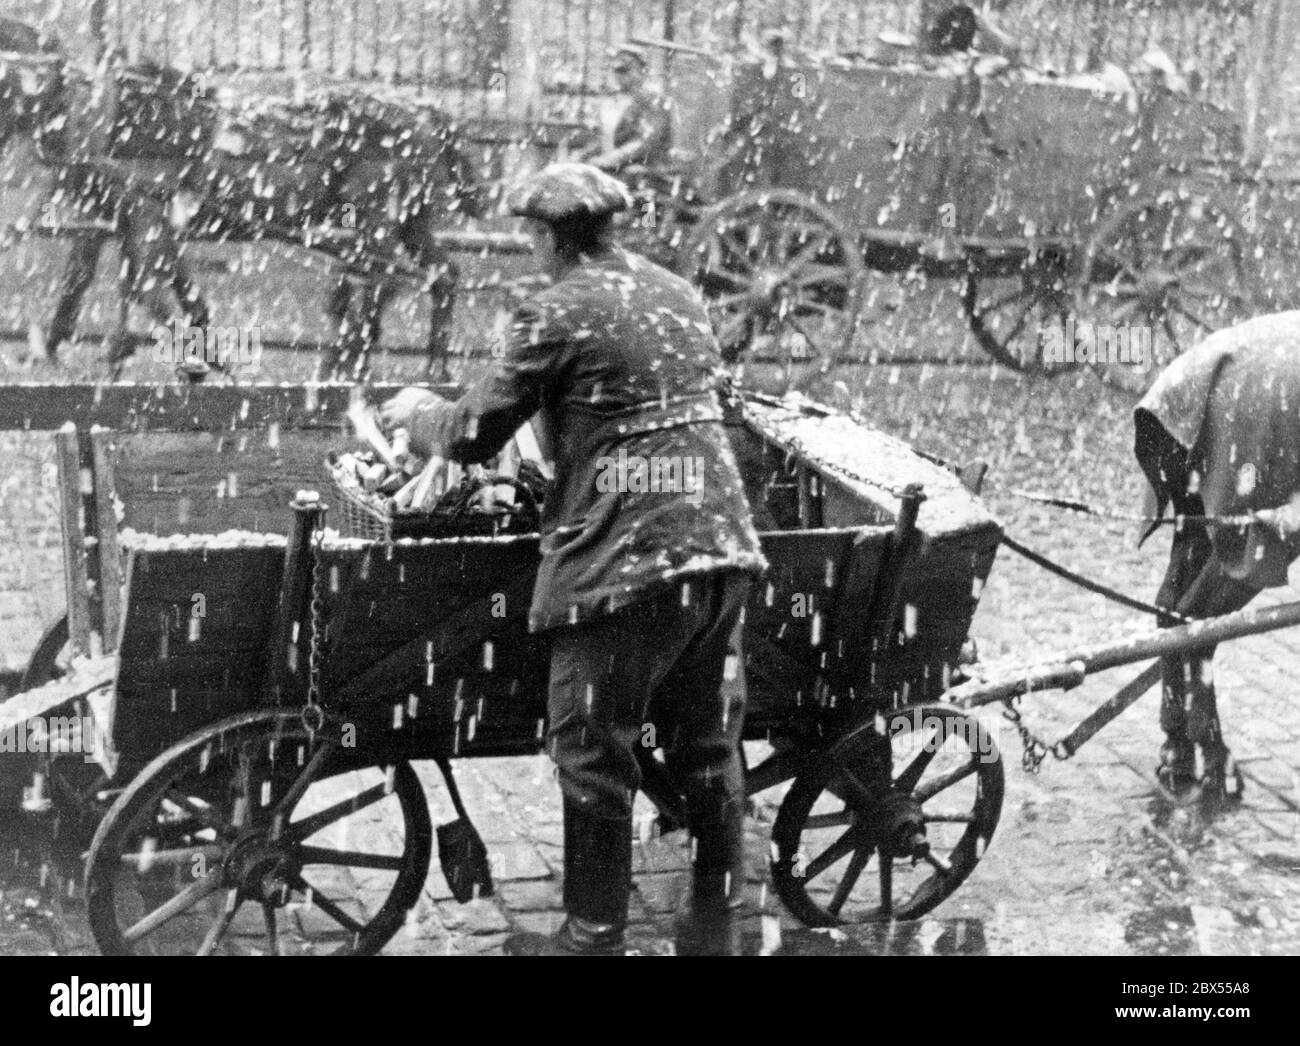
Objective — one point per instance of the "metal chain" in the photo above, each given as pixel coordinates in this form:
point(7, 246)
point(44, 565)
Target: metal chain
point(313, 720)
point(1035, 748)
point(794, 447)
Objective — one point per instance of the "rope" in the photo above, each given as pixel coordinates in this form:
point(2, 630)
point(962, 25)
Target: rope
point(1114, 595)
point(1082, 508)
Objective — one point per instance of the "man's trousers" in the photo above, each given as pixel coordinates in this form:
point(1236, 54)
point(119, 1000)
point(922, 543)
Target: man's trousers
point(665, 673)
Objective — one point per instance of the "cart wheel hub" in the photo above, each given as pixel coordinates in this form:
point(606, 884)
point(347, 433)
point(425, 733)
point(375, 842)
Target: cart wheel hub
point(768, 285)
point(260, 870)
point(1154, 286)
point(898, 825)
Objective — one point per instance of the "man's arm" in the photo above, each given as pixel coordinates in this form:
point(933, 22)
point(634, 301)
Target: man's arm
point(1285, 519)
point(478, 425)
point(653, 124)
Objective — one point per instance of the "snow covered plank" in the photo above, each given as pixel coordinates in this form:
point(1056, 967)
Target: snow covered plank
point(865, 464)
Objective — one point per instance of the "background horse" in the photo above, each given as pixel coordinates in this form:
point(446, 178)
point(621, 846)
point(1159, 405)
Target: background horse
point(43, 98)
point(365, 178)
point(1218, 434)
point(378, 178)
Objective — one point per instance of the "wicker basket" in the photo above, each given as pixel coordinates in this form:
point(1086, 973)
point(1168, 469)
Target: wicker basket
point(360, 517)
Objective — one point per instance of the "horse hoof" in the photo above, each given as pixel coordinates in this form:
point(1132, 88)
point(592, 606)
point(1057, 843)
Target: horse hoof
point(1178, 789)
point(193, 371)
point(1223, 786)
point(1176, 774)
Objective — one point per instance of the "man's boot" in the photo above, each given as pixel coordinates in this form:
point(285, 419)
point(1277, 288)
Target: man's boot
point(597, 888)
point(708, 923)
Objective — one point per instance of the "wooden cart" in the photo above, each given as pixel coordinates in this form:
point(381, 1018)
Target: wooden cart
point(259, 713)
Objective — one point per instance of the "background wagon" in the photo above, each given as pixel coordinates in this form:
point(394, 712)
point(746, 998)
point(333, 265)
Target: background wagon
point(1045, 200)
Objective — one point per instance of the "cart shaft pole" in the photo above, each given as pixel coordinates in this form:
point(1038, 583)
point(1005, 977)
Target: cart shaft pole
point(1069, 669)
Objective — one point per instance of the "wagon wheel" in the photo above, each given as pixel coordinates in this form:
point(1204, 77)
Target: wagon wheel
point(1173, 268)
point(1009, 315)
point(50, 658)
point(254, 835)
point(847, 847)
point(73, 781)
point(780, 277)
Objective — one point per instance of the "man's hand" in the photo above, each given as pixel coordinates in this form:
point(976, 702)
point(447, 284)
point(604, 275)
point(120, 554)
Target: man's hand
point(1285, 520)
point(397, 412)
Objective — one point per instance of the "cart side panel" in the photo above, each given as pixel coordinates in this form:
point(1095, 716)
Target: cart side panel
point(859, 140)
point(940, 596)
point(428, 646)
point(193, 642)
point(797, 619)
point(942, 584)
point(1184, 134)
point(177, 482)
point(378, 597)
point(1060, 148)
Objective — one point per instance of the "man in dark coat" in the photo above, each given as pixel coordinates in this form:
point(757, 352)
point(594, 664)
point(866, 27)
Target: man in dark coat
point(1218, 434)
point(648, 552)
point(644, 131)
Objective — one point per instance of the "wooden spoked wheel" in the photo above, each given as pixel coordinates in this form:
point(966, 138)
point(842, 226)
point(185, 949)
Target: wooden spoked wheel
point(1011, 316)
point(780, 277)
point(1170, 269)
point(75, 783)
point(49, 660)
point(890, 821)
point(256, 836)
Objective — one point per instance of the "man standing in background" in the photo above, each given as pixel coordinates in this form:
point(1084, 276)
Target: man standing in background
point(643, 134)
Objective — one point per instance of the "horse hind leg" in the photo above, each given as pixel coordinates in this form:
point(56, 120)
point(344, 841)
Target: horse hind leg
point(77, 276)
point(442, 300)
point(121, 343)
point(194, 309)
point(416, 236)
point(150, 257)
point(357, 304)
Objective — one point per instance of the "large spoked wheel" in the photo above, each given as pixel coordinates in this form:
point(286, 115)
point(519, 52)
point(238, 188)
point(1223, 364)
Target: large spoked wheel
point(1011, 316)
point(780, 276)
point(49, 660)
point(1171, 269)
point(255, 836)
point(890, 821)
point(75, 784)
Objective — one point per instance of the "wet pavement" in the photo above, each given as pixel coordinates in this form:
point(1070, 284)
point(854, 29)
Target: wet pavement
point(1087, 858)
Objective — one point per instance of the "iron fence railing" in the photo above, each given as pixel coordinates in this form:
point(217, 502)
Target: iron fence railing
point(466, 43)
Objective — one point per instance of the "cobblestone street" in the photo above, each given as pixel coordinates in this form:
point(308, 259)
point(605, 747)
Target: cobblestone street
point(1085, 858)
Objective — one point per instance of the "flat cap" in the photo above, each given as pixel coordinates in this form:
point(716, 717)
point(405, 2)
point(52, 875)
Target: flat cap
point(627, 54)
point(565, 190)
